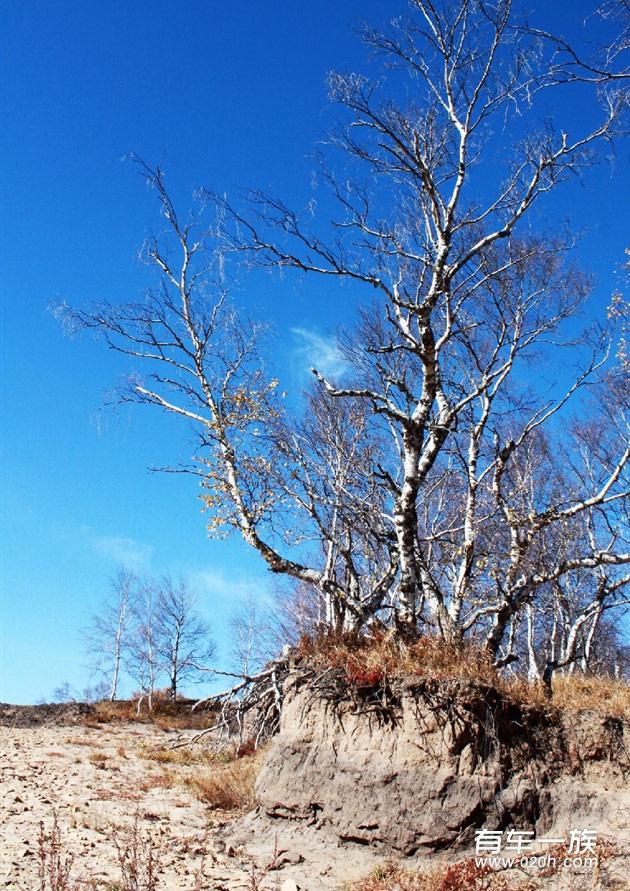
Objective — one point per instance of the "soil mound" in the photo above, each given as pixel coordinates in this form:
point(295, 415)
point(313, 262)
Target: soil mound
point(420, 767)
point(49, 714)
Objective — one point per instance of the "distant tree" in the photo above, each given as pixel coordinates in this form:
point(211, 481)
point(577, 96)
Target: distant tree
point(96, 692)
point(67, 693)
point(182, 638)
point(252, 637)
point(607, 652)
point(64, 693)
point(142, 657)
point(108, 634)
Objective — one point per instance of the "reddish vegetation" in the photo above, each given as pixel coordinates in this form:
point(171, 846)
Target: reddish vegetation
point(370, 660)
point(462, 876)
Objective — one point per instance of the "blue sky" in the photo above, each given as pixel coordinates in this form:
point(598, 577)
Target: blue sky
point(222, 95)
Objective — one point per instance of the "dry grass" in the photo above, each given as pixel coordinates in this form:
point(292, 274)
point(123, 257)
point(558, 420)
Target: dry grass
point(465, 875)
point(462, 876)
point(576, 692)
point(99, 759)
point(83, 741)
point(164, 780)
point(583, 692)
point(185, 755)
point(371, 660)
point(166, 715)
point(368, 660)
point(229, 786)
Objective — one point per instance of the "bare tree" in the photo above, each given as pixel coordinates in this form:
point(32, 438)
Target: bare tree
point(251, 634)
point(108, 635)
point(143, 659)
point(465, 297)
point(182, 638)
point(415, 487)
point(65, 692)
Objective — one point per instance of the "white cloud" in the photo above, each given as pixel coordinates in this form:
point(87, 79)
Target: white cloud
point(319, 351)
point(133, 554)
point(221, 586)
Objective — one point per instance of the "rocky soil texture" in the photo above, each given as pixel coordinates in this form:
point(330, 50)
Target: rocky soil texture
point(349, 783)
point(100, 779)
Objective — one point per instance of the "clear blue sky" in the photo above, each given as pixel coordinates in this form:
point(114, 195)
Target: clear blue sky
point(222, 95)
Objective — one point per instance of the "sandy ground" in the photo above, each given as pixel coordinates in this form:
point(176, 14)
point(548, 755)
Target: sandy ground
point(98, 781)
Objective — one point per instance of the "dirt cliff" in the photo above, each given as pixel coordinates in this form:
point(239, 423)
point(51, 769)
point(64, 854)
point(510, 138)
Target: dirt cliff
point(418, 767)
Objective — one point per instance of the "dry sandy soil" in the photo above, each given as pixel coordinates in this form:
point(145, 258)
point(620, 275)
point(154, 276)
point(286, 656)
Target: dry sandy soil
point(99, 779)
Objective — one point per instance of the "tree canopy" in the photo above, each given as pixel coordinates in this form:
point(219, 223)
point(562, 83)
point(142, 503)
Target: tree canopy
point(436, 483)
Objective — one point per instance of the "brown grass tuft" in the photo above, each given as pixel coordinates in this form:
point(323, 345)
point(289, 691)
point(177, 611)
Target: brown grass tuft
point(583, 692)
point(229, 786)
point(371, 660)
point(164, 780)
point(99, 759)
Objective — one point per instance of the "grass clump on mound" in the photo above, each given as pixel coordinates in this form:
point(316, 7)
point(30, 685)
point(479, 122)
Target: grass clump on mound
point(368, 660)
point(374, 659)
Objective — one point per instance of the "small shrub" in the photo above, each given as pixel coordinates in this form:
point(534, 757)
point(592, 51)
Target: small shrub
point(138, 858)
point(54, 866)
point(229, 786)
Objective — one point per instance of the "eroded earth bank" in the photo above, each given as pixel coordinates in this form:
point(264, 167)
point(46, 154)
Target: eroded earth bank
point(409, 773)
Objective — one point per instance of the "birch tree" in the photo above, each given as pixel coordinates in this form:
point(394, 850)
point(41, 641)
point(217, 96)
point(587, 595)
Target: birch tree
point(143, 660)
point(251, 637)
point(465, 295)
point(182, 638)
point(109, 633)
point(416, 488)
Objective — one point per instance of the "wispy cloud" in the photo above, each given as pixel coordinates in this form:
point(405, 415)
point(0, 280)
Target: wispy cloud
point(222, 590)
point(221, 586)
point(319, 351)
point(131, 553)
